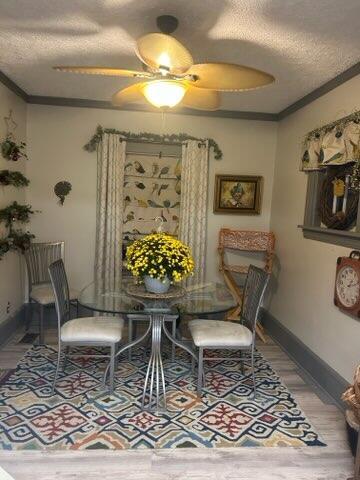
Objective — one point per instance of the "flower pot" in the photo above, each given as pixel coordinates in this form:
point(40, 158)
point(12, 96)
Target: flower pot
point(153, 285)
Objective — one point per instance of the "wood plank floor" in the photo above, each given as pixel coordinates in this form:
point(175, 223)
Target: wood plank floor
point(333, 462)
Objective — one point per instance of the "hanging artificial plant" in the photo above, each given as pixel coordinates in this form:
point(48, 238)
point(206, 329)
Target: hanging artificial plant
point(13, 151)
point(10, 149)
point(15, 213)
point(20, 240)
point(16, 179)
point(16, 240)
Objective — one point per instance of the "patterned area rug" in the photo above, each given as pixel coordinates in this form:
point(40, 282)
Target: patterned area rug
point(81, 416)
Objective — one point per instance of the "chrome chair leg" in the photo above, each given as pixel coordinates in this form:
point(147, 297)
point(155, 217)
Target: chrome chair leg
point(57, 369)
point(67, 349)
point(192, 365)
point(130, 336)
point(253, 372)
point(117, 347)
point(41, 325)
point(29, 315)
point(242, 366)
point(200, 372)
point(173, 344)
point(112, 367)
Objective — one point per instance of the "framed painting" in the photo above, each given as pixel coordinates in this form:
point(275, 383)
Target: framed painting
point(237, 194)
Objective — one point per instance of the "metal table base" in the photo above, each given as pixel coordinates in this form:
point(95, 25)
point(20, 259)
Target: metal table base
point(154, 392)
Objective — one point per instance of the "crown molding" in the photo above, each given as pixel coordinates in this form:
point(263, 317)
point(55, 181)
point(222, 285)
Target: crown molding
point(320, 91)
point(260, 116)
point(87, 103)
point(5, 80)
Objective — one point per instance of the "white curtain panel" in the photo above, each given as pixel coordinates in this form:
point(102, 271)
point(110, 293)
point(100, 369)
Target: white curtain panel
point(193, 205)
point(109, 222)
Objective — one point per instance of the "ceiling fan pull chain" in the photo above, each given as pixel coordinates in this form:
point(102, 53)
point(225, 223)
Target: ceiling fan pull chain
point(163, 122)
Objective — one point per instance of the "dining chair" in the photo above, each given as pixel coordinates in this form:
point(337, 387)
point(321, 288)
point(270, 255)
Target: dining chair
point(38, 258)
point(86, 331)
point(259, 244)
point(146, 318)
point(228, 335)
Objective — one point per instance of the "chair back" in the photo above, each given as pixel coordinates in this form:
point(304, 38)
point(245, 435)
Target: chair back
point(38, 259)
point(254, 289)
point(60, 285)
point(246, 241)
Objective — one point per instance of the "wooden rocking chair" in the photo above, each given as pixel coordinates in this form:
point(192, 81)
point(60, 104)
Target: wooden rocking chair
point(246, 241)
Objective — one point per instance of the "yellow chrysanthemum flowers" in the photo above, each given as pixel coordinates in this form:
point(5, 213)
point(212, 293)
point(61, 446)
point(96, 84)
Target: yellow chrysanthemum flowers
point(159, 255)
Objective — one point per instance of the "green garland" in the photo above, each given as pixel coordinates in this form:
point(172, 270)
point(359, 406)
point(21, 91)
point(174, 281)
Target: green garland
point(91, 146)
point(17, 179)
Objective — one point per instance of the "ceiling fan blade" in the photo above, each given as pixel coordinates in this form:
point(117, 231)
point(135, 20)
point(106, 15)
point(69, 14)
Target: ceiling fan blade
point(201, 99)
point(114, 72)
point(229, 77)
point(131, 94)
point(158, 49)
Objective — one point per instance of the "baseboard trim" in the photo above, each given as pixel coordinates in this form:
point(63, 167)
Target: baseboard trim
point(11, 324)
point(322, 374)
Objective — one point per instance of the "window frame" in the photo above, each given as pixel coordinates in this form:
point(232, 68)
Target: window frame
point(311, 227)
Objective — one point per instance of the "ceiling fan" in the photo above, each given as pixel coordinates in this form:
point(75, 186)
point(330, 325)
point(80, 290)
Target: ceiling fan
point(170, 75)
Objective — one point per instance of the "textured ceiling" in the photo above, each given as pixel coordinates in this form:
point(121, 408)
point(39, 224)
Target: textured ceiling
point(303, 43)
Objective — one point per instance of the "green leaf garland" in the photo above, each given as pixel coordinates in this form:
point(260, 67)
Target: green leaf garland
point(91, 146)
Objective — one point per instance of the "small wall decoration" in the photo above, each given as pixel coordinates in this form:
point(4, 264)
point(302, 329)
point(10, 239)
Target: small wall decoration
point(338, 203)
point(62, 189)
point(347, 284)
point(239, 194)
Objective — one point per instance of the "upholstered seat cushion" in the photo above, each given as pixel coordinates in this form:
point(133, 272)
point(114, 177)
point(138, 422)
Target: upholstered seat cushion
point(44, 294)
point(93, 329)
point(214, 333)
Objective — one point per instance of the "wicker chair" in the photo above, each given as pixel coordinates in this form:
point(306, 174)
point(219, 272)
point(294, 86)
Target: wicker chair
point(244, 241)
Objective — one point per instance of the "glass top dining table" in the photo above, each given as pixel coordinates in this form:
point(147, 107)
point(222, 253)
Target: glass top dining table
point(198, 300)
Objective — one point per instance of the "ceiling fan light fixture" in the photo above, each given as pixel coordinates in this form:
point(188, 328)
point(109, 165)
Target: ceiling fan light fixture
point(164, 93)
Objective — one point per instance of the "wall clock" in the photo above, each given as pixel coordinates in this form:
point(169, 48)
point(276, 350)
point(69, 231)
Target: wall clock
point(347, 284)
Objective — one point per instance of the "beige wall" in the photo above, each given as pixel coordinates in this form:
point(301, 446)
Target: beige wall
point(11, 278)
point(56, 136)
point(303, 301)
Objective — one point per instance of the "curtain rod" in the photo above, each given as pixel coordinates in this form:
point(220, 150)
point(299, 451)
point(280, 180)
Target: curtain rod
point(154, 142)
point(153, 154)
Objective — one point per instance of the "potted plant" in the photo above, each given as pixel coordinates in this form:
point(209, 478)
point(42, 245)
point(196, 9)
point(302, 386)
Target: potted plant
point(159, 260)
point(10, 150)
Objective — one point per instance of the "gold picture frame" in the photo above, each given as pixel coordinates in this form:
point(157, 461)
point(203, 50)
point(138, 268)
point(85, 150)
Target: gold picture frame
point(239, 194)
